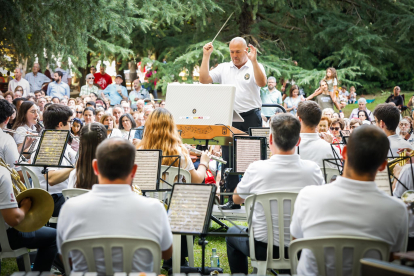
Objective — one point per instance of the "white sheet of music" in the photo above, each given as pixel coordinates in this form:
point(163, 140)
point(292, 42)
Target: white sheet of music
point(51, 148)
point(248, 151)
point(383, 182)
point(188, 208)
point(263, 132)
point(147, 172)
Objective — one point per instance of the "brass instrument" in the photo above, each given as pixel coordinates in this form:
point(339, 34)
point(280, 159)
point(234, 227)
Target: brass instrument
point(399, 160)
point(138, 191)
point(42, 203)
point(408, 197)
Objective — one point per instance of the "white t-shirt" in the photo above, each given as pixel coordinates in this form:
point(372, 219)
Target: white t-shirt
point(396, 142)
point(313, 148)
point(8, 150)
point(125, 134)
point(406, 177)
point(7, 199)
point(23, 83)
point(115, 133)
point(347, 207)
point(247, 91)
point(113, 210)
point(72, 179)
point(279, 173)
point(20, 138)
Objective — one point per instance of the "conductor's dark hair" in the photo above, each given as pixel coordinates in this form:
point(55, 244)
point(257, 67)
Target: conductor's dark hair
point(285, 130)
point(56, 113)
point(389, 114)
point(310, 113)
point(367, 141)
point(6, 110)
point(116, 157)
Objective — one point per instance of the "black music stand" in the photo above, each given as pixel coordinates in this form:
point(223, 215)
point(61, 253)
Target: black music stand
point(50, 152)
point(237, 139)
point(334, 161)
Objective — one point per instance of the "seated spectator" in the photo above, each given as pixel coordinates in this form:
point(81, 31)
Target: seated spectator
point(75, 129)
point(170, 143)
point(335, 116)
point(162, 104)
point(328, 112)
point(55, 100)
point(9, 96)
point(89, 115)
point(114, 164)
point(354, 124)
point(12, 118)
point(18, 92)
point(111, 129)
point(405, 131)
point(91, 104)
point(140, 105)
point(363, 116)
point(88, 88)
point(64, 101)
point(127, 124)
point(17, 102)
point(138, 93)
point(396, 98)
point(126, 107)
point(341, 215)
point(362, 105)
point(284, 171)
point(139, 118)
point(99, 112)
point(94, 97)
point(71, 102)
point(324, 123)
point(352, 95)
point(117, 111)
point(79, 112)
point(83, 176)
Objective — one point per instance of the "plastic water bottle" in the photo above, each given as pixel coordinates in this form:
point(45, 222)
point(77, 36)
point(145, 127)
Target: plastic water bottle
point(214, 259)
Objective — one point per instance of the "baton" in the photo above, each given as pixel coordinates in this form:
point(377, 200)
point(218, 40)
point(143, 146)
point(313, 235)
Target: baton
point(221, 28)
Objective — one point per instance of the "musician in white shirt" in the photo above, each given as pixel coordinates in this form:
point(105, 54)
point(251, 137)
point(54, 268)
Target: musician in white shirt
point(284, 171)
point(112, 208)
point(352, 205)
point(8, 147)
point(387, 117)
point(311, 146)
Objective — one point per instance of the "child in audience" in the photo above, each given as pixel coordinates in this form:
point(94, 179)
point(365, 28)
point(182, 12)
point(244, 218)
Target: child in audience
point(75, 130)
point(331, 79)
point(352, 95)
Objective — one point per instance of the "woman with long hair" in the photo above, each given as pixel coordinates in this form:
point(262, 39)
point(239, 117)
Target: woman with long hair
point(26, 122)
point(109, 123)
point(83, 176)
point(161, 133)
point(292, 102)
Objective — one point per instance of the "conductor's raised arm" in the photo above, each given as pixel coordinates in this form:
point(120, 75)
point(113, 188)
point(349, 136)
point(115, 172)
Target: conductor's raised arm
point(259, 75)
point(204, 68)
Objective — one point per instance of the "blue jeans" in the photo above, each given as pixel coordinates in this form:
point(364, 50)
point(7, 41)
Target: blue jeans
point(44, 240)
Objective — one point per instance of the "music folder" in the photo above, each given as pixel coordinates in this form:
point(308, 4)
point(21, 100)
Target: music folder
point(248, 149)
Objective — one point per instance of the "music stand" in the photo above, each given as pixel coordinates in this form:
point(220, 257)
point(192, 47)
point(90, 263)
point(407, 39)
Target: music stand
point(264, 132)
point(334, 161)
point(50, 151)
point(147, 177)
point(247, 149)
point(345, 135)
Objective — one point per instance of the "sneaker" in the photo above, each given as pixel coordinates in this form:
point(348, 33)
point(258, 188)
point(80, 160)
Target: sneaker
point(230, 205)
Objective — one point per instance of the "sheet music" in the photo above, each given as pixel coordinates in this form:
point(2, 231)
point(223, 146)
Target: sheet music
point(188, 208)
point(383, 182)
point(147, 172)
point(248, 151)
point(263, 132)
point(51, 148)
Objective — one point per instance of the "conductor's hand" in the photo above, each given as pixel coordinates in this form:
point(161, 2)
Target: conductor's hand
point(205, 157)
point(208, 49)
point(252, 55)
point(26, 204)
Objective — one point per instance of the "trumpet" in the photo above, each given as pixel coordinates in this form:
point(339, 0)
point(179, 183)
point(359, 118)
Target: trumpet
point(215, 158)
point(42, 203)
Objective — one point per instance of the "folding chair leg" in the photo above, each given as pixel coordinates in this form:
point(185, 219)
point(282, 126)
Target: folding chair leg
point(26, 261)
point(190, 250)
point(261, 267)
point(176, 258)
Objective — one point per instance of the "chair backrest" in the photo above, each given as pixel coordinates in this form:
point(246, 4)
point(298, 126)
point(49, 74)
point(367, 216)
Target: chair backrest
point(171, 174)
point(318, 245)
point(329, 173)
point(4, 241)
point(128, 245)
point(68, 193)
point(265, 200)
point(33, 176)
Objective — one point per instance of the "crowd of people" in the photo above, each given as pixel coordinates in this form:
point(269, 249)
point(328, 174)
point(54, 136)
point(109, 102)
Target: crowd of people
point(108, 124)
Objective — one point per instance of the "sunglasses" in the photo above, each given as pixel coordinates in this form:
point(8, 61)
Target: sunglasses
point(91, 78)
point(79, 112)
point(335, 128)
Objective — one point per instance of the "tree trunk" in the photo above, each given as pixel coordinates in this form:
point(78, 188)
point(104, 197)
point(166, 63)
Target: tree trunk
point(84, 71)
point(245, 20)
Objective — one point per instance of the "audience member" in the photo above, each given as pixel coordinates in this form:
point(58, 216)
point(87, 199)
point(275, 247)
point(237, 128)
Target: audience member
point(126, 107)
point(140, 105)
point(127, 124)
point(18, 102)
point(18, 92)
point(75, 129)
point(363, 116)
point(55, 100)
point(19, 81)
point(117, 111)
point(91, 104)
point(36, 79)
point(58, 88)
point(317, 213)
point(89, 115)
point(79, 112)
point(93, 70)
point(102, 78)
point(88, 88)
point(109, 122)
point(9, 96)
point(38, 94)
point(396, 98)
point(352, 95)
point(66, 74)
point(269, 95)
point(323, 126)
point(139, 118)
point(138, 93)
point(115, 92)
point(291, 102)
point(327, 112)
point(284, 171)
point(99, 112)
point(405, 131)
point(362, 105)
point(354, 124)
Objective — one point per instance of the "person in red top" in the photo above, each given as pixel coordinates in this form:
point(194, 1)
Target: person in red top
point(148, 75)
point(102, 78)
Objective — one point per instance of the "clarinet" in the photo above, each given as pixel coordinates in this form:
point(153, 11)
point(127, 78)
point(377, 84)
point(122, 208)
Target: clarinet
point(215, 158)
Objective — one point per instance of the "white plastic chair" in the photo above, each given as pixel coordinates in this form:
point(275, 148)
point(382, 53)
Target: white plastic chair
point(359, 245)
point(265, 200)
point(68, 193)
point(6, 251)
point(330, 172)
point(128, 244)
point(33, 176)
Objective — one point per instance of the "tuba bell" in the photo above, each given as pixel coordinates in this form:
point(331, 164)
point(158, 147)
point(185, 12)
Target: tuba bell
point(42, 203)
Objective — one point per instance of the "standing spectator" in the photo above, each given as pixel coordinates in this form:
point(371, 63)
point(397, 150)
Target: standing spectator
point(362, 105)
point(19, 81)
point(115, 92)
point(138, 93)
point(67, 77)
point(352, 95)
point(269, 95)
point(9, 78)
point(151, 75)
point(36, 79)
point(58, 88)
point(396, 98)
point(324, 97)
point(88, 88)
point(102, 78)
point(292, 102)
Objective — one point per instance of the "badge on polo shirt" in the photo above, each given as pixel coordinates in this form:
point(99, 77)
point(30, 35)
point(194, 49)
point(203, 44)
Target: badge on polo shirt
point(247, 76)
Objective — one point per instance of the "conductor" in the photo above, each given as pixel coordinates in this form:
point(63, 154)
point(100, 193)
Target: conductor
point(248, 75)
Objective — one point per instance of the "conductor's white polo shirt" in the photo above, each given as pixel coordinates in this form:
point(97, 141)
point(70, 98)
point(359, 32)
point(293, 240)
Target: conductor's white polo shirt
point(287, 173)
point(396, 142)
point(313, 148)
point(347, 207)
point(113, 210)
point(247, 91)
